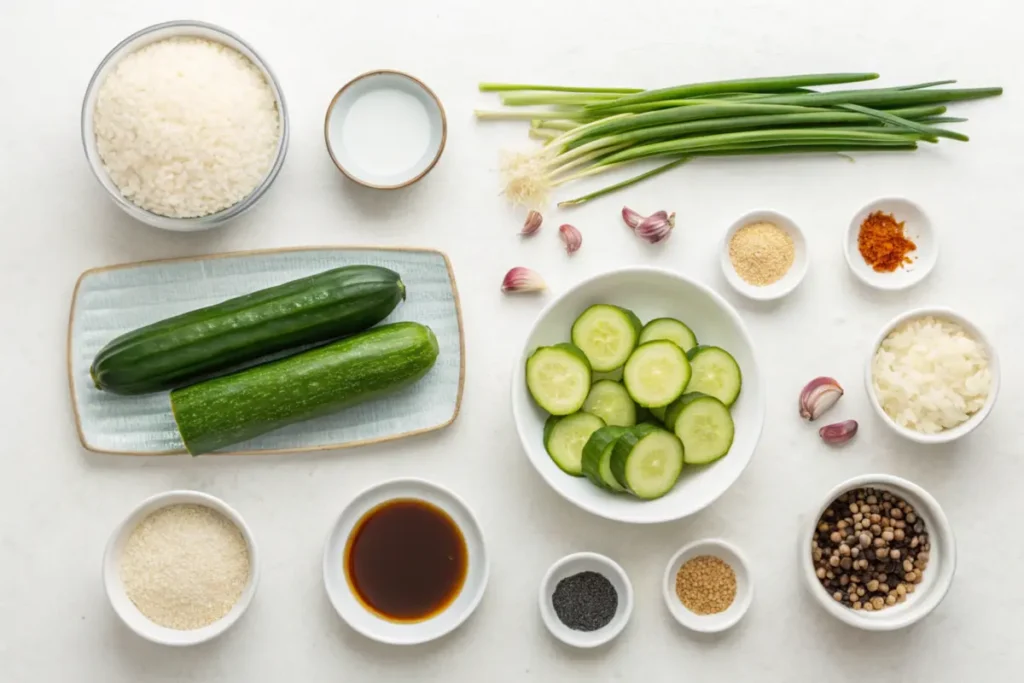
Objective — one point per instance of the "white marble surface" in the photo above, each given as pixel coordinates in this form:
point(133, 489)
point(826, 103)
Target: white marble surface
point(59, 504)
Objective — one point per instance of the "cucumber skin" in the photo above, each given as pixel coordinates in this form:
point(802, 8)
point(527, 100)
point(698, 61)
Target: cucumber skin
point(592, 452)
point(233, 334)
point(624, 446)
point(231, 409)
point(569, 348)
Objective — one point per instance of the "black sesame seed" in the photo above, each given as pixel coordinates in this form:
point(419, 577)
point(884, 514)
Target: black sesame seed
point(585, 602)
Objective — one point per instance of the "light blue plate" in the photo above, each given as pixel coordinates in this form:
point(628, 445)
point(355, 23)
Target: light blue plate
point(111, 301)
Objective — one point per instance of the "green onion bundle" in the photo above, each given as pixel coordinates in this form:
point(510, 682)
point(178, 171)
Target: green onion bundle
point(588, 131)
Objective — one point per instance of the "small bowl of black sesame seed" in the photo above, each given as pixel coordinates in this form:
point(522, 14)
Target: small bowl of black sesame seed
point(880, 555)
point(586, 599)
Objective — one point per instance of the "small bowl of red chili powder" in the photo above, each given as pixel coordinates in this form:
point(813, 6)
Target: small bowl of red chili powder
point(890, 244)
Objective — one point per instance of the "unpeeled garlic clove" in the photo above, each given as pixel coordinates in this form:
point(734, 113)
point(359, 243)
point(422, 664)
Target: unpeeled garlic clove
point(572, 238)
point(838, 433)
point(656, 227)
point(521, 279)
point(820, 394)
point(631, 217)
point(532, 224)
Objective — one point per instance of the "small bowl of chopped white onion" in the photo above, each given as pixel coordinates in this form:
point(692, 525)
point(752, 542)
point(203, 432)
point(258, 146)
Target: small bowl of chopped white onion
point(181, 569)
point(184, 125)
point(933, 376)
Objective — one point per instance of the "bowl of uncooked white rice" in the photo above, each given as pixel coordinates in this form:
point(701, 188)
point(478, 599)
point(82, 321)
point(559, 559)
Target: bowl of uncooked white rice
point(932, 376)
point(184, 125)
point(181, 569)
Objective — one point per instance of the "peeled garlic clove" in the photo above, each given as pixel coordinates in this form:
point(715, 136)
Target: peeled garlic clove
point(521, 279)
point(820, 394)
point(838, 433)
point(572, 238)
point(532, 224)
point(631, 217)
point(656, 227)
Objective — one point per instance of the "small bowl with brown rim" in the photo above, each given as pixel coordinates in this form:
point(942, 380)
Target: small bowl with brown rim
point(385, 129)
point(916, 226)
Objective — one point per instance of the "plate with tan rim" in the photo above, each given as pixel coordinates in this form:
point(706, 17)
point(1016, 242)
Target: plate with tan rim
point(113, 300)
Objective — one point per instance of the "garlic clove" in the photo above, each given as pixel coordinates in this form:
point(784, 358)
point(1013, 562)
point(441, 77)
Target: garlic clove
point(838, 433)
point(656, 227)
point(572, 238)
point(532, 224)
point(820, 394)
point(523, 280)
point(631, 217)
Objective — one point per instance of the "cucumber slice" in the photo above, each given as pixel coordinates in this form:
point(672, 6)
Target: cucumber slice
point(597, 457)
point(611, 402)
point(705, 427)
point(656, 374)
point(647, 460)
point(558, 378)
point(565, 437)
point(670, 329)
point(715, 373)
point(607, 335)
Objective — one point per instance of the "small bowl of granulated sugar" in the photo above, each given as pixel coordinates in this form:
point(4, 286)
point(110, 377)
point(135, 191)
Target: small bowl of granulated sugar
point(181, 569)
point(764, 255)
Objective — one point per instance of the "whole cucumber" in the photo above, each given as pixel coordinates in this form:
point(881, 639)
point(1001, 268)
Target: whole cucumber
point(240, 331)
point(231, 409)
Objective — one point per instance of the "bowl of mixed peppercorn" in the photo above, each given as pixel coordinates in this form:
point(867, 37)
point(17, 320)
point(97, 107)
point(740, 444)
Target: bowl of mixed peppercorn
point(890, 244)
point(880, 555)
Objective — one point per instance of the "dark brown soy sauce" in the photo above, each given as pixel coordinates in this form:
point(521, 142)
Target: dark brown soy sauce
point(406, 560)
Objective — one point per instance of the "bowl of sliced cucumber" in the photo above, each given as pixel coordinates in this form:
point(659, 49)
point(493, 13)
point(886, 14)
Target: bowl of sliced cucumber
point(638, 397)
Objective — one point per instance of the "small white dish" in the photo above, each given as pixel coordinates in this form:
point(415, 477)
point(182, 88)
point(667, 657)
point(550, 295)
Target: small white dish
point(709, 623)
point(368, 623)
point(650, 293)
point(574, 564)
point(126, 609)
point(948, 435)
point(917, 227)
point(788, 282)
point(138, 40)
point(937, 577)
point(385, 129)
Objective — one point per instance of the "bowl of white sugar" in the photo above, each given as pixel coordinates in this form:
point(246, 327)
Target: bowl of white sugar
point(184, 125)
point(181, 569)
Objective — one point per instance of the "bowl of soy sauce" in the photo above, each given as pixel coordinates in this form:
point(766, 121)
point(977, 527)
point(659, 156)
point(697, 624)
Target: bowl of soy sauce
point(406, 562)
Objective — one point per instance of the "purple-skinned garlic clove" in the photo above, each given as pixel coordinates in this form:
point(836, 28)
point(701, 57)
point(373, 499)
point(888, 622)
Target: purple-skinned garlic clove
point(820, 394)
point(656, 227)
point(572, 238)
point(522, 280)
point(838, 433)
point(532, 224)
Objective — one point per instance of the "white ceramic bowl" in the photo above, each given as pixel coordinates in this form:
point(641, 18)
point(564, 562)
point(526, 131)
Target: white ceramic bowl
point(975, 420)
point(650, 293)
point(126, 609)
point(709, 623)
point(793, 277)
point(917, 227)
point(152, 34)
point(938, 575)
point(574, 564)
point(370, 624)
point(385, 162)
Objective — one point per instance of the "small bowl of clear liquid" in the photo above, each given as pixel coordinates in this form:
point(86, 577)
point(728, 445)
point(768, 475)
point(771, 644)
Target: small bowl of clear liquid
point(385, 129)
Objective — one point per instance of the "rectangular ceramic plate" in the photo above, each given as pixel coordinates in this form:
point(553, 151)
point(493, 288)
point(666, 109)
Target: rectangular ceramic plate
point(111, 301)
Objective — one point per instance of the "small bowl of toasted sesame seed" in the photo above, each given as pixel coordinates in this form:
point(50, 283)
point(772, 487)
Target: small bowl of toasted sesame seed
point(707, 586)
point(181, 569)
point(764, 255)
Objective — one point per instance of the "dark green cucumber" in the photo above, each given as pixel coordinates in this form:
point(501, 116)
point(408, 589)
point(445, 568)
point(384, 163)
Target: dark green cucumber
point(597, 455)
point(238, 332)
point(231, 409)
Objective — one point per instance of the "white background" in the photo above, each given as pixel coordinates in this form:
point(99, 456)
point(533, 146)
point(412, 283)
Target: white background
point(58, 504)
